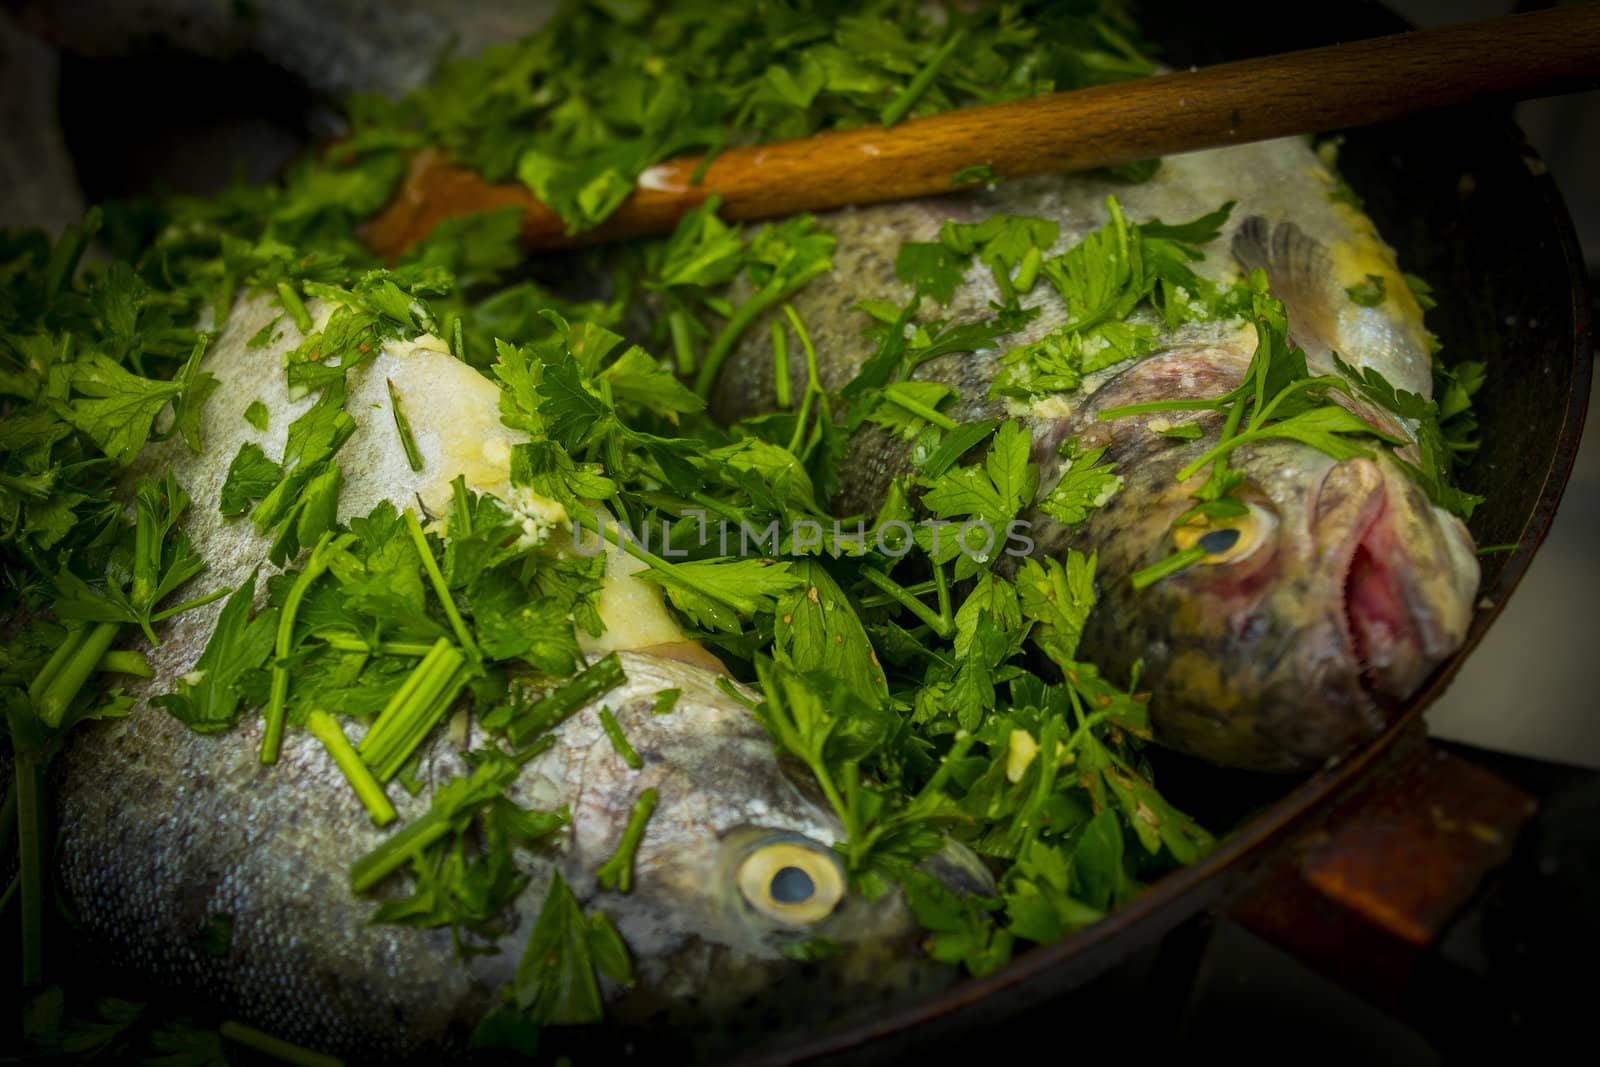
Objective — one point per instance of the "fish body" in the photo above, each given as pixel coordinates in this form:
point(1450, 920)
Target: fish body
point(1344, 586)
point(163, 829)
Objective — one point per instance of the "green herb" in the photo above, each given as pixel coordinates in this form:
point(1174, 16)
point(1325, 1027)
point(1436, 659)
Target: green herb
point(455, 802)
point(117, 408)
point(251, 476)
point(1282, 400)
point(1369, 293)
point(207, 698)
point(974, 175)
point(440, 587)
point(530, 109)
point(415, 709)
point(256, 413)
point(277, 1048)
point(1085, 486)
point(555, 982)
point(217, 937)
point(666, 700)
point(295, 307)
point(1179, 560)
point(403, 428)
point(368, 789)
point(524, 725)
point(277, 702)
point(619, 741)
point(162, 561)
point(617, 872)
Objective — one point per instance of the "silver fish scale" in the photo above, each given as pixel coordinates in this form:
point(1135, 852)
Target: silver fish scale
point(161, 828)
point(1278, 657)
point(1276, 179)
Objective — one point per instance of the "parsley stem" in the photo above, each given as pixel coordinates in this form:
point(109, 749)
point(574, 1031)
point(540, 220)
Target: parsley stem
point(937, 624)
point(125, 662)
point(295, 307)
point(86, 646)
point(1154, 406)
point(706, 377)
point(1028, 269)
point(716, 507)
point(487, 782)
point(403, 428)
point(682, 340)
point(278, 695)
point(31, 862)
point(276, 1047)
point(199, 601)
point(958, 750)
point(345, 642)
point(368, 789)
point(1174, 563)
point(52, 666)
point(727, 686)
point(920, 410)
point(813, 379)
point(619, 740)
point(746, 313)
point(387, 858)
point(741, 604)
point(414, 709)
point(463, 635)
point(942, 591)
point(780, 364)
point(897, 108)
point(598, 678)
point(66, 254)
point(617, 872)
point(1262, 414)
point(878, 601)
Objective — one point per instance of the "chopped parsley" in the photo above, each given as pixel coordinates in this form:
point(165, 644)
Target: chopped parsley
point(904, 680)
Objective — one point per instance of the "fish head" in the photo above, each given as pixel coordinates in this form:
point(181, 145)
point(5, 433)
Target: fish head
point(1309, 615)
point(741, 910)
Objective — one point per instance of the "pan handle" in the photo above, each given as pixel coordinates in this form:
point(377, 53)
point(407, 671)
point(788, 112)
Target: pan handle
point(1366, 896)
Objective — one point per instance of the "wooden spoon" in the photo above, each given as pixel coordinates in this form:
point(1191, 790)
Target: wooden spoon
point(1342, 85)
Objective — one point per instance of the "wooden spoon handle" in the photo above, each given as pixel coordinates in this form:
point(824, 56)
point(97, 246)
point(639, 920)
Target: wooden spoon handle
point(1342, 85)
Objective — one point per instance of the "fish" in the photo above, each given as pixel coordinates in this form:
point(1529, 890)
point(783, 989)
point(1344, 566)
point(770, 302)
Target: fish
point(1341, 589)
point(162, 830)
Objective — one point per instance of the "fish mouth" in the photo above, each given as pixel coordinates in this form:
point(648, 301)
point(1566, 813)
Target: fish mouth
point(1385, 633)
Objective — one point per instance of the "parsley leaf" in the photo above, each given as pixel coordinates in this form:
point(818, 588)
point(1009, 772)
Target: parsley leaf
point(207, 698)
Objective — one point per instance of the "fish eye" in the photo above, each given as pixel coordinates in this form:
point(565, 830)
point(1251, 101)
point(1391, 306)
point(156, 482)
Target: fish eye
point(792, 880)
point(1229, 538)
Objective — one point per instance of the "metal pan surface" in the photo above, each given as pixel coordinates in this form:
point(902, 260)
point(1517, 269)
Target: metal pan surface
point(1469, 206)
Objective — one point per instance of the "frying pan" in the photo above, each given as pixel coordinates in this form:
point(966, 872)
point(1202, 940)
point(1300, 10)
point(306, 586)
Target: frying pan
point(1470, 208)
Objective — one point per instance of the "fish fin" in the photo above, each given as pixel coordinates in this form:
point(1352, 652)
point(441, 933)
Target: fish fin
point(1299, 273)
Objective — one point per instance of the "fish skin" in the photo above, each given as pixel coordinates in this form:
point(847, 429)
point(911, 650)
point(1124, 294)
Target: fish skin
point(1274, 673)
point(161, 828)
